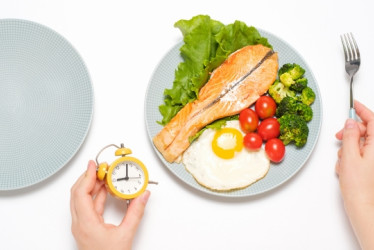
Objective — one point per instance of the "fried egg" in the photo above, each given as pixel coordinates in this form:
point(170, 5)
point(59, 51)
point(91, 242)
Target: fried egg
point(218, 160)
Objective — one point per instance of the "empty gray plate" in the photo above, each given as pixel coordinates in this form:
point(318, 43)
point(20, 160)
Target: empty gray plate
point(46, 103)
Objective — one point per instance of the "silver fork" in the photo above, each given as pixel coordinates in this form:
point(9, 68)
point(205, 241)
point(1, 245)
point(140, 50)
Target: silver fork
point(352, 64)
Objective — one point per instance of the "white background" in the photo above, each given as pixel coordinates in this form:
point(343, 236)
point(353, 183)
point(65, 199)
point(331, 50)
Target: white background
point(121, 43)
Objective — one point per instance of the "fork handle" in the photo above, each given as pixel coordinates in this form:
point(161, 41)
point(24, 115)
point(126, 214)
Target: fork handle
point(352, 113)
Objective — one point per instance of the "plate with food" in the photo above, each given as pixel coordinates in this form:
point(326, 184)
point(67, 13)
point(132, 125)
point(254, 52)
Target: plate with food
point(232, 110)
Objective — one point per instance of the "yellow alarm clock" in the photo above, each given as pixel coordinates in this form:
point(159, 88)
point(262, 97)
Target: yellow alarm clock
point(127, 177)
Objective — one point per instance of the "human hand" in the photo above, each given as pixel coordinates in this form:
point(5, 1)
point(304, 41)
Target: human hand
point(355, 168)
point(88, 197)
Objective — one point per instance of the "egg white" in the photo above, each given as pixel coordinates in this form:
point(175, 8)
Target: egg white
point(219, 174)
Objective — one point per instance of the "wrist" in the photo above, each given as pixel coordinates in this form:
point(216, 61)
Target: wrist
point(361, 216)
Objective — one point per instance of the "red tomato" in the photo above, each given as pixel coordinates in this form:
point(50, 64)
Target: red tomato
point(269, 128)
point(248, 120)
point(252, 141)
point(275, 150)
point(265, 107)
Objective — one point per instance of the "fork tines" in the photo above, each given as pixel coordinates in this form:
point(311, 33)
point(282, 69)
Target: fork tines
point(350, 47)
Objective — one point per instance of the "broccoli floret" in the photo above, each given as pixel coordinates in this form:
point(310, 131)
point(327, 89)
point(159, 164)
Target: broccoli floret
point(299, 85)
point(286, 106)
point(286, 79)
point(290, 105)
point(307, 96)
point(278, 91)
point(304, 111)
point(293, 129)
point(295, 70)
point(289, 73)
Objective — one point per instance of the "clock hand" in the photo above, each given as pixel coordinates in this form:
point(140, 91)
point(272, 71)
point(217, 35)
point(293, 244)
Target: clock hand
point(127, 178)
point(127, 172)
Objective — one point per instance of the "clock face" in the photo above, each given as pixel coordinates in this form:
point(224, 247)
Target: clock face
point(128, 177)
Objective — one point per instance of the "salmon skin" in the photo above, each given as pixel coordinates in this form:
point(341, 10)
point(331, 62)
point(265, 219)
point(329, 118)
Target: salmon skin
point(235, 85)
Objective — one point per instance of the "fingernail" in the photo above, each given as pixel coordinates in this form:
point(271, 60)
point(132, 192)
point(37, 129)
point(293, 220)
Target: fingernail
point(145, 196)
point(89, 164)
point(88, 167)
point(350, 123)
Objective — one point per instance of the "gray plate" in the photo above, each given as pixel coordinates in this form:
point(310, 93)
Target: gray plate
point(295, 158)
point(46, 103)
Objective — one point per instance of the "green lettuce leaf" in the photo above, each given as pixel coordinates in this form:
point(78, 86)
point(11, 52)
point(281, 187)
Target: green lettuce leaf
point(207, 43)
point(198, 49)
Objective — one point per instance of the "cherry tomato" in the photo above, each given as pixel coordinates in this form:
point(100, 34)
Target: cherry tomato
point(248, 120)
point(275, 150)
point(269, 128)
point(265, 107)
point(252, 141)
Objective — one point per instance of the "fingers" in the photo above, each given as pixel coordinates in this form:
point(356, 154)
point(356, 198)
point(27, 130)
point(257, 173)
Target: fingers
point(339, 135)
point(81, 198)
point(351, 140)
point(337, 167)
point(89, 180)
point(99, 202)
point(97, 187)
point(350, 149)
point(134, 214)
point(73, 191)
point(368, 117)
point(363, 112)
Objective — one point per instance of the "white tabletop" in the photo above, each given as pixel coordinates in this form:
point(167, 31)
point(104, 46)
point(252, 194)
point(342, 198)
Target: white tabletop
point(121, 43)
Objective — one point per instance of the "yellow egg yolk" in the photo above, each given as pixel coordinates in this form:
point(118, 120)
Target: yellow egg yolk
point(226, 142)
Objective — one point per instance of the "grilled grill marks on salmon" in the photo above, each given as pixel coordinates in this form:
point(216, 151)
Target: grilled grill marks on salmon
point(236, 84)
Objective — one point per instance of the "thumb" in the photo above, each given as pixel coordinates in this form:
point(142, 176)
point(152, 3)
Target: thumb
point(134, 214)
point(89, 180)
point(351, 139)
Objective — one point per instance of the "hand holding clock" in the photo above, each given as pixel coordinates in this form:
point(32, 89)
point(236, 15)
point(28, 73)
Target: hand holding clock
point(88, 197)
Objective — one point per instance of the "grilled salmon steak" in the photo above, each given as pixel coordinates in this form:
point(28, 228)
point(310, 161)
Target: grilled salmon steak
point(233, 86)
